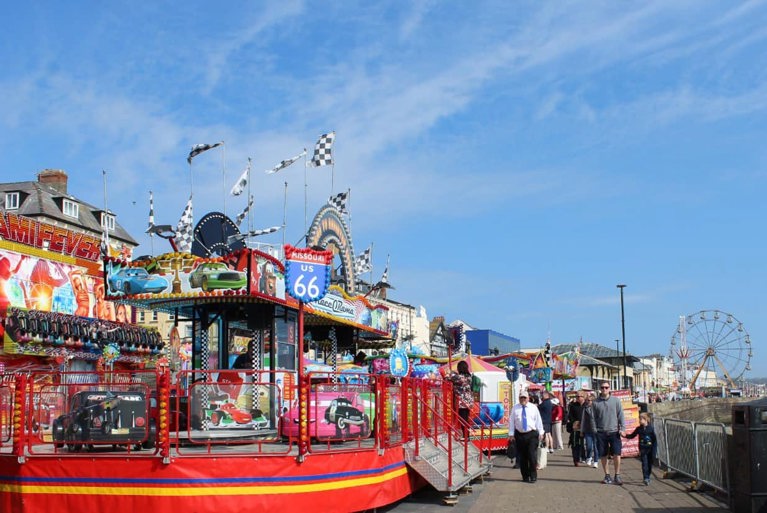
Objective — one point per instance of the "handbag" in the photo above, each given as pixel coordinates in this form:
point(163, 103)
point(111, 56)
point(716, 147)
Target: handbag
point(543, 456)
point(511, 448)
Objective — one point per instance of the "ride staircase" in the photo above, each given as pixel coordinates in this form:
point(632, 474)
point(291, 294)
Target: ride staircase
point(436, 450)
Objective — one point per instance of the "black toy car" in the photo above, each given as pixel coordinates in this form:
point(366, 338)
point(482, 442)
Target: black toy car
point(343, 414)
point(105, 417)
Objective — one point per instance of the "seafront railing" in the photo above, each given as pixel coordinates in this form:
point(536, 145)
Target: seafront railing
point(695, 449)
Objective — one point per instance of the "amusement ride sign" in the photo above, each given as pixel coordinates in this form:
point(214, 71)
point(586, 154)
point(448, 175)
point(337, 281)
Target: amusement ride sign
point(307, 273)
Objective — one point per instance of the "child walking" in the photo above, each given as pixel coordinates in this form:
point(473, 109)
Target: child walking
point(648, 444)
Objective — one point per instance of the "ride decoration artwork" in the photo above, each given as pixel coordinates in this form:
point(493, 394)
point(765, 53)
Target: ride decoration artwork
point(708, 346)
point(329, 230)
point(399, 365)
point(111, 353)
point(307, 273)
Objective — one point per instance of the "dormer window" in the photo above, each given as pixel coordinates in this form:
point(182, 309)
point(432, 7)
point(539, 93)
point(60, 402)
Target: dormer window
point(108, 222)
point(11, 200)
point(71, 209)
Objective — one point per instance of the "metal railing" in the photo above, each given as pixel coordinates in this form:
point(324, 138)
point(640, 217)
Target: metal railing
point(237, 413)
point(695, 449)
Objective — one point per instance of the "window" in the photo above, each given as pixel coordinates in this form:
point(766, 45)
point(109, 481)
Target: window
point(71, 208)
point(108, 221)
point(142, 316)
point(11, 200)
point(154, 316)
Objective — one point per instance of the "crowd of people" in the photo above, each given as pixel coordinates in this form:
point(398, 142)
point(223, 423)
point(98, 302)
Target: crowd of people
point(596, 428)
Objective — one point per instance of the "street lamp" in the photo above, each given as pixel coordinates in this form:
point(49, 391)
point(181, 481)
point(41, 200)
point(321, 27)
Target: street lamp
point(618, 352)
point(623, 332)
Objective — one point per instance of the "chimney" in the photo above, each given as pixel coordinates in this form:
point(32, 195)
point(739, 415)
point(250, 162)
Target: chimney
point(55, 178)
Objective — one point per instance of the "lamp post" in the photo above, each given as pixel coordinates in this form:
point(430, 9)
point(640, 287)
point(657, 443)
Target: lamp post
point(618, 352)
point(623, 333)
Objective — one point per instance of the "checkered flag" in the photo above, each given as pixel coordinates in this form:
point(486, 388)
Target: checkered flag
point(323, 154)
point(265, 231)
point(183, 237)
point(151, 212)
point(385, 276)
point(339, 201)
point(242, 182)
point(199, 148)
point(241, 215)
point(285, 163)
point(363, 262)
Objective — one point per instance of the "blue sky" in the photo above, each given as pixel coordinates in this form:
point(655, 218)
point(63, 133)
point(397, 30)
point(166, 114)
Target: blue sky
point(517, 160)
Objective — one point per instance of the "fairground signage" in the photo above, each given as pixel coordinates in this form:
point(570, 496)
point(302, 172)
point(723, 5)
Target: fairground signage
point(23, 230)
point(307, 273)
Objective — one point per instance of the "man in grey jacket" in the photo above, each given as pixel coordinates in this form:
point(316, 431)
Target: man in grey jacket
point(608, 416)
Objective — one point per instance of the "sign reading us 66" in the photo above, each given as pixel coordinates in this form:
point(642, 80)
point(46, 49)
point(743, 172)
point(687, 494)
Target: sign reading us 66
point(307, 273)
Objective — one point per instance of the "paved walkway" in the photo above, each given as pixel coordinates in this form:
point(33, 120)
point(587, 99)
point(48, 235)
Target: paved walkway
point(564, 487)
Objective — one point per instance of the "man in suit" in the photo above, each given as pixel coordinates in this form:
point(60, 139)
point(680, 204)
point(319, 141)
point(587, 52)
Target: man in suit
point(527, 427)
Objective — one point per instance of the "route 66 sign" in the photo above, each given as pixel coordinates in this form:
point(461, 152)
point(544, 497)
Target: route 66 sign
point(307, 273)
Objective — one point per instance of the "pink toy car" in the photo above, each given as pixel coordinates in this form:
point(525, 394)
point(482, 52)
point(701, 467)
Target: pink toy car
point(332, 416)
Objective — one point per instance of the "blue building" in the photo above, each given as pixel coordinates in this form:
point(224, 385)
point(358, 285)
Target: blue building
point(486, 342)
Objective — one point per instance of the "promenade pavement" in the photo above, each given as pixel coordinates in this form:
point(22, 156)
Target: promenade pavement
point(563, 487)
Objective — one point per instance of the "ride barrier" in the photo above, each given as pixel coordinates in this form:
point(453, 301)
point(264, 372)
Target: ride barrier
point(695, 449)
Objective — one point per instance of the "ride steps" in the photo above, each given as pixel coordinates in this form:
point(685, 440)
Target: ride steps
point(433, 462)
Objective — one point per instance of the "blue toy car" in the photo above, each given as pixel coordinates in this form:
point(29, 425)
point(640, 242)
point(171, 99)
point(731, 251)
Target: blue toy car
point(135, 280)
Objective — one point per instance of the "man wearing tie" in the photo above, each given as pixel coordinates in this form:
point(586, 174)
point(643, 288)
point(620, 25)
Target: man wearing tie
point(527, 427)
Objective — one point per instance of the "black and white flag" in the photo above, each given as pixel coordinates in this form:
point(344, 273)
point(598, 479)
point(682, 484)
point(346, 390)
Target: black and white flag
point(323, 151)
point(339, 201)
point(151, 212)
point(199, 148)
point(243, 181)
point(184, 229)
point(244, 213)
point(385, 276)
point(265, 231)
point(254, 233)
point(285, 163)
point(363, 262)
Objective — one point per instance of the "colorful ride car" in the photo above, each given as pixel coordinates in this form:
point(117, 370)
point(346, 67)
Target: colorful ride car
point(216, 275)
point(105, 417)
point(332, 416)
point(227, 414)
point(136, 280)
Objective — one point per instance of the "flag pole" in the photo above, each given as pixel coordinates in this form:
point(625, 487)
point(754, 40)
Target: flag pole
point(306, 186)
point(223, 174)
point(151, 222)
point(284, 213)
point(106, 212)
point(250, 224)
point(371, 266)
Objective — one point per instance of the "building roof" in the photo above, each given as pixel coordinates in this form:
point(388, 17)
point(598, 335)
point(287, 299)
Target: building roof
point(588, 361)
point(38, 200)
point(594, 351)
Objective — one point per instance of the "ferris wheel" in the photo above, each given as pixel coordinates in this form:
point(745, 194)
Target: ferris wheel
point(710, 345)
